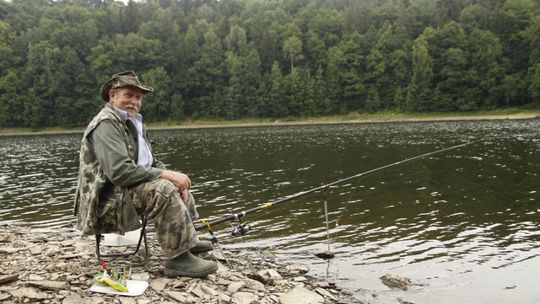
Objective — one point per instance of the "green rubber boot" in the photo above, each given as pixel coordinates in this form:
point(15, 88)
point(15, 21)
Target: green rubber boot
point(202, 246)
point(188, 265)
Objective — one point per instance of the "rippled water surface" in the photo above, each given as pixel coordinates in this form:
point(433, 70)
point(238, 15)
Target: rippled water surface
point(463, 225)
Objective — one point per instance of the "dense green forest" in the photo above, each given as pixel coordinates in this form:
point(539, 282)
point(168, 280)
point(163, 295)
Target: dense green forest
point(233, 59)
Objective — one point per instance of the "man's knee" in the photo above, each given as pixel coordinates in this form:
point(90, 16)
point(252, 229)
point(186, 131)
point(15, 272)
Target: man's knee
point(163, 187)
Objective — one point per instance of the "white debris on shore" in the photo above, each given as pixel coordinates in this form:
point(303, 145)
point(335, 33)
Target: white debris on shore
point(57, 265)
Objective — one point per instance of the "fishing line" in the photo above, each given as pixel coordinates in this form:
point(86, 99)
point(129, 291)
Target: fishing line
point(238, 216)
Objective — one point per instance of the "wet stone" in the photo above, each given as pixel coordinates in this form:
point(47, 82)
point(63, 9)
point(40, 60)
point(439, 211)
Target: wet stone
point(300, 295)
point(395, 281)
point(325, 293)
point(301, 268)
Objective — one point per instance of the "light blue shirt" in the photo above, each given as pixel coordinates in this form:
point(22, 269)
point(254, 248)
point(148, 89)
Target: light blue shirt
point(145, 156)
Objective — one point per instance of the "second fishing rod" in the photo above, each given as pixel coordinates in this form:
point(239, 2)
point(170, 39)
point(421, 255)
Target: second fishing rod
point(207, 223)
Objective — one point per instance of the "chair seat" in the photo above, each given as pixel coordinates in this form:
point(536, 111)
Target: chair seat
point(130, 238)
point(117, 240)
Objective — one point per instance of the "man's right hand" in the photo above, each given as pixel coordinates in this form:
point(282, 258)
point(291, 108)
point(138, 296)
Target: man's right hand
point(180, 180)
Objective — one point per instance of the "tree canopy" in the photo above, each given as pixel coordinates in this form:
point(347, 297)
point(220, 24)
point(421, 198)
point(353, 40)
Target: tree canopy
point(233, 59)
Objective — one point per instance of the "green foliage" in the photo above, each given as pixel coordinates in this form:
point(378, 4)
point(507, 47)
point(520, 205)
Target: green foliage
point(236, 59)
point(292, 47)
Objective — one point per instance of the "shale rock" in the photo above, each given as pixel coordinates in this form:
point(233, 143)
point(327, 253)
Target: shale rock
point(57, 266)
point(301, 295)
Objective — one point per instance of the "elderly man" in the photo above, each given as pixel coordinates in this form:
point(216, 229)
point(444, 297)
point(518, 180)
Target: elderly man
point(119, 178)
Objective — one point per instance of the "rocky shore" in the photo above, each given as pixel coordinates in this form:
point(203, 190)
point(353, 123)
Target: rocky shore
point(57, 266)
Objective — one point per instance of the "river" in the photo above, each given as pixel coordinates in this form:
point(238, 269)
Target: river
point(463, 225)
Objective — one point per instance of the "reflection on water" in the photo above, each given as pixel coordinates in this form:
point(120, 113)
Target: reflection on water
point(462, 224)
point(37, 178)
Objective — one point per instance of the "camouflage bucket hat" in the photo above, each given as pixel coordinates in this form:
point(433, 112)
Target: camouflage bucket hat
point(120, 80)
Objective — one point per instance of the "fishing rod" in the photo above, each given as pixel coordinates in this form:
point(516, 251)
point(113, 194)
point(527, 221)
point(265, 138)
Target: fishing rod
point(243, 229)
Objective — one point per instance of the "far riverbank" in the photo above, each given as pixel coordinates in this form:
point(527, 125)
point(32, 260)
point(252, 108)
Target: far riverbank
point(353, 118)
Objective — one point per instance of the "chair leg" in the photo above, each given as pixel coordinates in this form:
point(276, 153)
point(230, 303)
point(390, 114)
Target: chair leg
point(98, 241)
point(142, 237)
point(146, 249)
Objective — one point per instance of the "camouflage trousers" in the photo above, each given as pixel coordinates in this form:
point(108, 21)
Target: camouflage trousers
point(173, 219)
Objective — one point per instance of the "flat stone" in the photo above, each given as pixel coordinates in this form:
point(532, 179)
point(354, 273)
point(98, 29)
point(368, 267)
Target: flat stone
point(224, 299)
point(4, 296)
point(274, 275)
point(30, 293)
point(7, 238)
point(301, 295)
point(71, 256)
point(35, 250)
point(244, 298)
point(177, 296)
point(98, 300)
point(395, 281)
point(252, 284)
point(222, 270)
point(274, 298)
point(73, 298)
point(197, 291)
point(217, 255)
point(179, 284)
point(234, 287)
point(35, 277)
point(83, 245)
point(209, 290)
point(9, 278)
point(261, 276)
point(52, 250)
point(159, 284)
point(322, 284)
point(67, 243)
point(325, 293)
point(10, 250)
point(49, 285)
point(269, 275)
point(297, 267)
point(127, 300)
point(140, 276)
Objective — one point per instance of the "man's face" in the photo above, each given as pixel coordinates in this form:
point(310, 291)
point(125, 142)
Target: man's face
point(128, 99)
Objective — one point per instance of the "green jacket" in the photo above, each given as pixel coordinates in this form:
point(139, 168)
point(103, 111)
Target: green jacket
point(107, 170)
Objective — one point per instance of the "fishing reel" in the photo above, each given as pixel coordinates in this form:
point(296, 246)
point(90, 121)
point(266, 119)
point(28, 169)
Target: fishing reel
point(241, 229)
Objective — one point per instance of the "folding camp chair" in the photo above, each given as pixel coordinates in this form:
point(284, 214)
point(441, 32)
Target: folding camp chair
point(125, 254)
